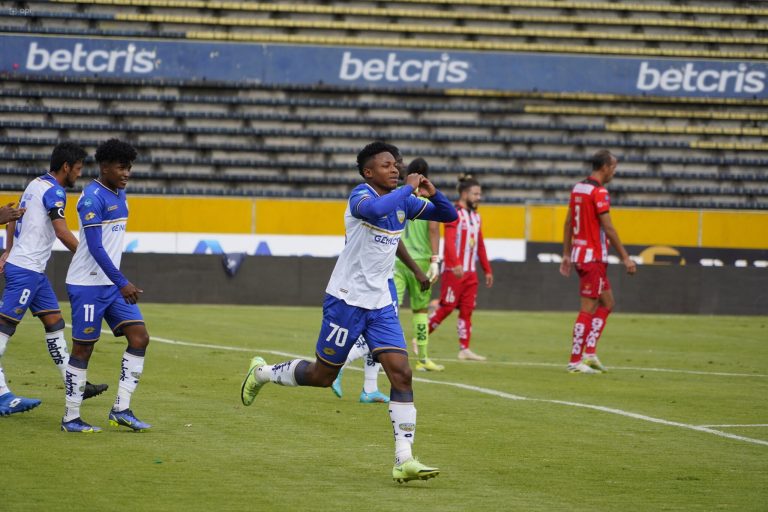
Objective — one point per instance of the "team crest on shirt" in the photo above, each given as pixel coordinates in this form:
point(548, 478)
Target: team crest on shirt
point(89, 215)
point(400, 216)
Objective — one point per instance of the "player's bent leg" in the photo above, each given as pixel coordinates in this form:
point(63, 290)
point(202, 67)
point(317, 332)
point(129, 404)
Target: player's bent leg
point(297, 372)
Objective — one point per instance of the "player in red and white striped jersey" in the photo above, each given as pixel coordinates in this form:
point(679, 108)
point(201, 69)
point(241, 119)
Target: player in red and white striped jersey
point(463, 247)
point(586, 229)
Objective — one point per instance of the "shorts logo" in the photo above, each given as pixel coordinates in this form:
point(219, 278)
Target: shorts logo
point(407, 427)
point(328, 351)
point(89, 330)
point(89, 215)
point(400, 216)
point(18, 311)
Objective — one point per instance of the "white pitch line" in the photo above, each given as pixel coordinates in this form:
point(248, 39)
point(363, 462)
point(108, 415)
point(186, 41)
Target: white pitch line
point(634, 368)
point(502, 394)
point(736, 426)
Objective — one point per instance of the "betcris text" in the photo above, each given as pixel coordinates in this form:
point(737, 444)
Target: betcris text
point(696, 77)
point(393, 69)
point(128, 60)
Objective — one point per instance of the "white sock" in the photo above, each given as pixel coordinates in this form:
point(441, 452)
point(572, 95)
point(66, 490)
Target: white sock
point(74, 385)
point(3, 343)
point(403, 416)
point(57, 349)
point(281, 373)
point(359, 349)
point(130, 373)
point(371, 382)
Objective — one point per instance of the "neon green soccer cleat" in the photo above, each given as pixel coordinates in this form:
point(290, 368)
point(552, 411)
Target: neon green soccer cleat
point(412, 469)
point(251, 386)
point(429, 366)
point(594, 363)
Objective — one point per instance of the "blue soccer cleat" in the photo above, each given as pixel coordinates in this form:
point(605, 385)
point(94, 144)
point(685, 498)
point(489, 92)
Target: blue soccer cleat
point(11, 404)
point(126, 418)
point(78, 425)
point(376, 397)
point(336, 386)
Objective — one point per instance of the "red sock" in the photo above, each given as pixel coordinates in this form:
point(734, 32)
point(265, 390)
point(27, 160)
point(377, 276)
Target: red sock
point(579, 330)
point(597, 326)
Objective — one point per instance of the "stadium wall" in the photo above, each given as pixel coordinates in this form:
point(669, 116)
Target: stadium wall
point(526, 286)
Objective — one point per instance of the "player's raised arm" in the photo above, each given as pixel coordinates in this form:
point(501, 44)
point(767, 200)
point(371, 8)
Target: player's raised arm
point(439, 208)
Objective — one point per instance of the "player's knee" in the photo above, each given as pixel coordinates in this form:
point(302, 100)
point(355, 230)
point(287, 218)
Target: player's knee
point(7, 328)
point(58, 325)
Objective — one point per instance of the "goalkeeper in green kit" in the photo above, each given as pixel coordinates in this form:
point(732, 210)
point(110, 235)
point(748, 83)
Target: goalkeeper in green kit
point(422, 239)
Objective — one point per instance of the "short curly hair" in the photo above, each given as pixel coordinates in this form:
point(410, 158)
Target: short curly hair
point(115, 150)
point(371, 150)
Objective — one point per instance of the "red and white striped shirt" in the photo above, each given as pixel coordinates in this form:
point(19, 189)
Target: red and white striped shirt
point(589, 199)
point(464, 244)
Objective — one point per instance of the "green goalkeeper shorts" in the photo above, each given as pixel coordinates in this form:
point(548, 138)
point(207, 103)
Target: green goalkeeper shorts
point(405, 280)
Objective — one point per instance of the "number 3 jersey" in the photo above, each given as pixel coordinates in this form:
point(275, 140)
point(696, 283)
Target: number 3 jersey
point(99, 208)
point(33, 239)
point(589, 199)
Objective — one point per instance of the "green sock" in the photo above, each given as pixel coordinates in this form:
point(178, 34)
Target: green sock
point(421, 329)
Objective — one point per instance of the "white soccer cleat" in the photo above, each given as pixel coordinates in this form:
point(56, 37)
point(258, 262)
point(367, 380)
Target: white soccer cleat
point(467, 355)
point(581, 367)
point(594, 363)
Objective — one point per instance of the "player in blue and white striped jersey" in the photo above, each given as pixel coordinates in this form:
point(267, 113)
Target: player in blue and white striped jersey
point(98, 290)
point(358, 300)
point(30, 239)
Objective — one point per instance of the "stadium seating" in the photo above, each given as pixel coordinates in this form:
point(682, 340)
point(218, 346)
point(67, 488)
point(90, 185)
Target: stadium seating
point(218, 138)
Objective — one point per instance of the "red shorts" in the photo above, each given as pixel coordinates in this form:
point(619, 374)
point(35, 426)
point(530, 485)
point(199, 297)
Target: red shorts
point(593, 279)
point(461, 293)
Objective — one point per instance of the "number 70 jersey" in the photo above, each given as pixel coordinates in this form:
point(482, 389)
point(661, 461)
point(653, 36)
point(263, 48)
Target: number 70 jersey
point(589, 200)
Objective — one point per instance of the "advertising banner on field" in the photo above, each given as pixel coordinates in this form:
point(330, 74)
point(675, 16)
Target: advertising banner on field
point(380, 67)
point(547, 252)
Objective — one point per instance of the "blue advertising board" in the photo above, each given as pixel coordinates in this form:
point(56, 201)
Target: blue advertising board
point(386, 68)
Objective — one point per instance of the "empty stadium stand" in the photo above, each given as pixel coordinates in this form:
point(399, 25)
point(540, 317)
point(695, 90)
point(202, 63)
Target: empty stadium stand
point(208, 137)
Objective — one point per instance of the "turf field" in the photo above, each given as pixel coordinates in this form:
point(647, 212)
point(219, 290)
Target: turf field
point(680, 423)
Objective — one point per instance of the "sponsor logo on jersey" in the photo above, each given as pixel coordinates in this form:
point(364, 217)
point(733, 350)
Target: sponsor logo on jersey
point(386, 240)
point(89, 215)
point(695, 77)
point(118, 227)
point(129, 59)
point(87, 202)
point(113, 207)
point(393, 70)
point(59, 192)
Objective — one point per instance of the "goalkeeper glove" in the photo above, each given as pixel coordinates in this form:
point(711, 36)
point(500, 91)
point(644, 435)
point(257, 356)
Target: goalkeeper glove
point(434, 269)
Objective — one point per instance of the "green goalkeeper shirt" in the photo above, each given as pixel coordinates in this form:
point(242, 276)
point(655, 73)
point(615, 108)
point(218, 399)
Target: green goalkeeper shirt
point(416, 239)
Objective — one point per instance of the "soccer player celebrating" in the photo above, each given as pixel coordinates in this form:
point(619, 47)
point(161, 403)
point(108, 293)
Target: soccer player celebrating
point(9, 213)
point(98, 290)
point(30, 239)
point(462, 248)
point(358, 299)
point(422, 241)
point(587, 226)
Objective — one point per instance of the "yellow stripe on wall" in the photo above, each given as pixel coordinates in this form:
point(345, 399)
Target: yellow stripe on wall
point(543, 223)
point(745, 230)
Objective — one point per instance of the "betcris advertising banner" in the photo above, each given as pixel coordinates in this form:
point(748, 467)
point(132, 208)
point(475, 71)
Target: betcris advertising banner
point(385, 68)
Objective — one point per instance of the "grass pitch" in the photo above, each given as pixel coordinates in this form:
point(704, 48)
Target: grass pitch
point(515, 433)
